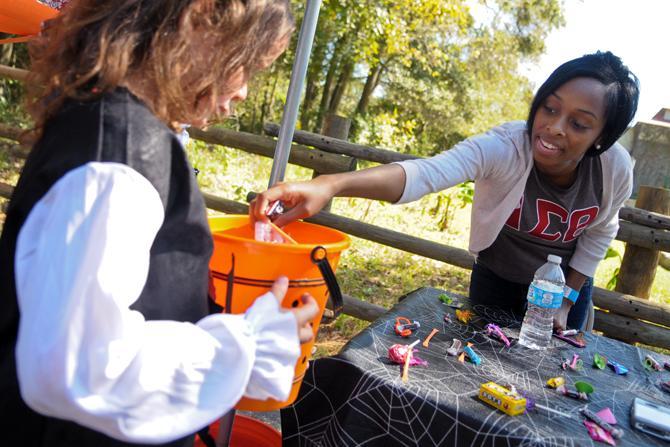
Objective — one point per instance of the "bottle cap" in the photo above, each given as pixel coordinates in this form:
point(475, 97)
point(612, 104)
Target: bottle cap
point(555, 259)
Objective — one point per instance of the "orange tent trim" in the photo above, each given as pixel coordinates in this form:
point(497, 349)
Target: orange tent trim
point(24, 17)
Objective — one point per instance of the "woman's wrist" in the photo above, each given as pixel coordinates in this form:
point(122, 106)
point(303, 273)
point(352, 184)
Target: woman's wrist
point(570, 295)
point(336, 184)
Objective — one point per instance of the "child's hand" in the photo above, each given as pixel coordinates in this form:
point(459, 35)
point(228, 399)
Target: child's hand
point(303, 314)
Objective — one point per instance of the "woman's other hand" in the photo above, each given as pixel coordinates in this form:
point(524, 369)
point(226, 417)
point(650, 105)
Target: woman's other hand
point(304, 315)
point(561, 316)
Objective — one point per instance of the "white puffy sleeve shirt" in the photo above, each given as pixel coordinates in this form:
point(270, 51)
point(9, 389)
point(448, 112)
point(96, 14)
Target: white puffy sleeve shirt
point(82, 354)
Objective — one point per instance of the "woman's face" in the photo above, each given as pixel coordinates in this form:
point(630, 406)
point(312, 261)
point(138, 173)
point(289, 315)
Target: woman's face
point(566, 125)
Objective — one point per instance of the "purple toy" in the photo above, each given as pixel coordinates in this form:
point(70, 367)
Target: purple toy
point(494, 331)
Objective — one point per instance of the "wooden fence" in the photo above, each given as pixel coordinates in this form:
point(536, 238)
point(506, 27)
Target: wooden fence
point(618, 315)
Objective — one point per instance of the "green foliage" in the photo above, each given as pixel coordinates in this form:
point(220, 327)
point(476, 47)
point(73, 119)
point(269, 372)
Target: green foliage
point(417, 76)
point(12, 91)
point(449, 201)
point(612, 253)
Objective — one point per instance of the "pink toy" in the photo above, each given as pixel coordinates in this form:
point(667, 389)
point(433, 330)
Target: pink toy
point(397, 354)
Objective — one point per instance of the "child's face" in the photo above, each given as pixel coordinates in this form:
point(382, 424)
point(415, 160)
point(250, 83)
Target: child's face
point(236, 90)
point(567, 124)
point(222, 106)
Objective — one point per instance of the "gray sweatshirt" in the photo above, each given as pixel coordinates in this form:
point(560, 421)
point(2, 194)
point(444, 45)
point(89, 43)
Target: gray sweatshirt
point(499, 161)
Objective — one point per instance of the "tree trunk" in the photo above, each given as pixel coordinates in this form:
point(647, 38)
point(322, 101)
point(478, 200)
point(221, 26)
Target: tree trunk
point(315, 69)
point(253, 123)
point(328, 83)
point(269, 98)
point(638, 267)
point(6, 58)
point(372, 81)
point(310, 95)
point(336, 127)
point(341, 86)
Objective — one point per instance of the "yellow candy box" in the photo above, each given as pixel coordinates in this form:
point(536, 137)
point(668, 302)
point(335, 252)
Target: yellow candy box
point(503, 399)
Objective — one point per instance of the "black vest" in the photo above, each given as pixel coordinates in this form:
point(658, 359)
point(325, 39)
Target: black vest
point(116, 128)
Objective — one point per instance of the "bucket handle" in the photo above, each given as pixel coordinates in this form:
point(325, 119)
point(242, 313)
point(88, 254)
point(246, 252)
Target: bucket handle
point(319, 257)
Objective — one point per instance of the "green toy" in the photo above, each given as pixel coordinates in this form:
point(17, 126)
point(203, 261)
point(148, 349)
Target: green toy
point(599, 361)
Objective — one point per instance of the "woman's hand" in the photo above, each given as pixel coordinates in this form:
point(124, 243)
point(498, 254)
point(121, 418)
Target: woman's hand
point(386, 182)
point(303, 199)
point(561, 315)
point(304, 315)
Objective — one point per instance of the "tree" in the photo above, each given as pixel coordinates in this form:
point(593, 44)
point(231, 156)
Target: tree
point(417, 75)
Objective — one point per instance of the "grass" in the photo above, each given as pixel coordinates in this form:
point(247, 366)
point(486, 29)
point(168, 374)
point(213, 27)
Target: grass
point(367, 270)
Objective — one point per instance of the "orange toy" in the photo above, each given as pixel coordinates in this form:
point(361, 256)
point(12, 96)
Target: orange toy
point(254, 266)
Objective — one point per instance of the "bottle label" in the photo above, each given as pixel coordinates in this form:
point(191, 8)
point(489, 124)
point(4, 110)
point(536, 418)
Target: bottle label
point(544, 298)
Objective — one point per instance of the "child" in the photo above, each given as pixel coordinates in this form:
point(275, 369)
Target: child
point(551, 185)
point(104, 333)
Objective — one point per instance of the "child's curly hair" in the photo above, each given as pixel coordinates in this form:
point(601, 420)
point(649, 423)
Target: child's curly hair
point(94, 46)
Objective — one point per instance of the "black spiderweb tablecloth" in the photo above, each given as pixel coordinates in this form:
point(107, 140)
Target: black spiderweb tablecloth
point(358, 398)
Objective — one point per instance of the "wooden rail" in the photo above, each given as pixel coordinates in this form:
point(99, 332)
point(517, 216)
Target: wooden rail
point(646, 218)
point(315, 159)
point(13, 73)
point(642, 236)
point(336, 146)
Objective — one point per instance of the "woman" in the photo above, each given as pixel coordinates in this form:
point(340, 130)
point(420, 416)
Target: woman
point(104, 333)
point(551, 185)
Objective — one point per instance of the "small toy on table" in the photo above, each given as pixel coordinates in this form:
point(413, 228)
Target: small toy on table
point(404, 355)
point(605, 420)
point(464, 316)
point(426, 342)
point(455, 347)
point(404, 327)
point(651, 363)
point(571, 336)
point(397, 354)
point(501, 398)
point(449, 301)
point(494, 331)
point(599, 361)
point(530, 401)
point(472, 355)
point(555, 382)
point(583, 390)
point(575, 365)
point(617, 367)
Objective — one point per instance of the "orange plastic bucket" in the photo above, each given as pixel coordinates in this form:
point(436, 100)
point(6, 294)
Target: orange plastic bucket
point(253, 266)
point(247, 432)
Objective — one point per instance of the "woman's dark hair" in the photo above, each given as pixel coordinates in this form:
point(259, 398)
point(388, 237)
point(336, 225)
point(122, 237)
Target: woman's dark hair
point(621, 99)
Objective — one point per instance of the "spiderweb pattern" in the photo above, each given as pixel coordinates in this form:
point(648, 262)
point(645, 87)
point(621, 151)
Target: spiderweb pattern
point(358, 398)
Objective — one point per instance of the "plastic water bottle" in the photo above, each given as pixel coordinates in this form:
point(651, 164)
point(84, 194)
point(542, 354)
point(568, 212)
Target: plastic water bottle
point(545, 295)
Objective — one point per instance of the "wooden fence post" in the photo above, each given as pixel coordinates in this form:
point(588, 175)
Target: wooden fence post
point(335, 126)
point(638, 267)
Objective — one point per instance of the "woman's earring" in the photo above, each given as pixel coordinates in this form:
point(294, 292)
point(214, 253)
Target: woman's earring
point(598, 146)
